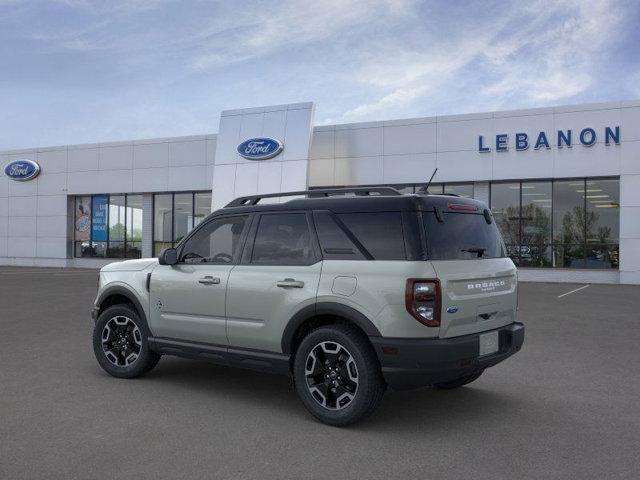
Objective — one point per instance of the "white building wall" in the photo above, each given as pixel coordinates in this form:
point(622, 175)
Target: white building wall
point(407, 151)
point(35, 218)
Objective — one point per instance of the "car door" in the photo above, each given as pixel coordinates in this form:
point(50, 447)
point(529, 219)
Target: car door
point(278, 276)
point(187, 300)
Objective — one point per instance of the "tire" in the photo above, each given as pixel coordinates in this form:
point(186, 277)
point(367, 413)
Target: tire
point(337, 375)
point(459, 382)
point(120, 343)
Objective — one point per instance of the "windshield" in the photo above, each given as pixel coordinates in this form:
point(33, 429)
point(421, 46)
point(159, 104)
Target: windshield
point(462, 236)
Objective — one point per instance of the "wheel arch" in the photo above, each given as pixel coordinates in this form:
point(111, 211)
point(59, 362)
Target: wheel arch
point(320, 314)
point(118, 295)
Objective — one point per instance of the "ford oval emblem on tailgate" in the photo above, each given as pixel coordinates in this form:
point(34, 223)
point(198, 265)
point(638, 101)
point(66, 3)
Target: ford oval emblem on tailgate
point(452, 309)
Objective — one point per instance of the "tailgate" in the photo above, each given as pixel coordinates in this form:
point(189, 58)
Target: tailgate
point(477, 295)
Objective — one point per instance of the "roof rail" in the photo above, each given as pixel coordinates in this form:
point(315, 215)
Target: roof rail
point(321, 192)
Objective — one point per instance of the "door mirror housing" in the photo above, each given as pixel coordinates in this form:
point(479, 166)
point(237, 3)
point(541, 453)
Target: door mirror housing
point(168, 256)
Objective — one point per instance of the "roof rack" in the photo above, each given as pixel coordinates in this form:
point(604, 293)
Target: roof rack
point(321, 192)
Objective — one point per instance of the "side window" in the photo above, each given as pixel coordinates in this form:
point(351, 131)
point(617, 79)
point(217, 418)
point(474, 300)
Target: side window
point(282, 239)
point(334, 242)
point(380, 233)
point(217, 241)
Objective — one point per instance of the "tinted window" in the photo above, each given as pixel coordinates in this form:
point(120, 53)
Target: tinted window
point(282, 240)
point(334, 242)
point(461, 236)
point(380, 233)
point(216, 242)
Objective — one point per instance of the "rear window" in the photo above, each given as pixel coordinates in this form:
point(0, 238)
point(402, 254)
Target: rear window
point(462, 236)
point(380, 233)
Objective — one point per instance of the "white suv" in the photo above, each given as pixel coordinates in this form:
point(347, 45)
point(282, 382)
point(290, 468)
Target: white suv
point(348, 291)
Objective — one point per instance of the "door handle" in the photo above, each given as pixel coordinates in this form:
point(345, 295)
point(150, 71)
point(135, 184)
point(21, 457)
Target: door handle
point(209, 280)
point(290, 283)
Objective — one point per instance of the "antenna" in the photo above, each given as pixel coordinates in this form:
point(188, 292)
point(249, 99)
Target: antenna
point(426, 188)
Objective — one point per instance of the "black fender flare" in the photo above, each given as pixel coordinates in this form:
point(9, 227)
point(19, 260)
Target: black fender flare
point(326, 308)
point(125, 292)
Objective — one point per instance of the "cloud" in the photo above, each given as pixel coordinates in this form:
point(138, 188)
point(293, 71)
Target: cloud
point(541, 53)
point(264, 31)
point(555, 63)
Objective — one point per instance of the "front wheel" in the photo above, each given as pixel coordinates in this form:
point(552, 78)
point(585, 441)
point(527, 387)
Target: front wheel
point(337, 375)
point(120, 343)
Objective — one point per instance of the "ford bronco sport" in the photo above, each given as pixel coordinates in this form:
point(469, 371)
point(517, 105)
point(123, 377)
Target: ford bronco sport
point(347, 290)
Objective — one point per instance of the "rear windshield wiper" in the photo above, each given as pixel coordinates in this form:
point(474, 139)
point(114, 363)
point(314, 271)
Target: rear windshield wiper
point(479, 250)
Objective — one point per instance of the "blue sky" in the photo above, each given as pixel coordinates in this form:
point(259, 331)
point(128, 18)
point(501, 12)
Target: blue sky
point(77, 71)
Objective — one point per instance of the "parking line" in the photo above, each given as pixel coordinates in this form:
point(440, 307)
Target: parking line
point(573, 291)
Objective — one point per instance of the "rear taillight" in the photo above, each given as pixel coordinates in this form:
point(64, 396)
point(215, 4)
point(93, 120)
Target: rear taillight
point(422, 298)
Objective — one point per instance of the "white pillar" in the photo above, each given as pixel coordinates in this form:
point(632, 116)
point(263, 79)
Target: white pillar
point(235, 176)
point(630, 229)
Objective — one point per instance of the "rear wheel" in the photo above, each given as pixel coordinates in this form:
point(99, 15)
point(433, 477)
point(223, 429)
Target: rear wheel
point(337, 375)
point(459, 382)
point(120, 343)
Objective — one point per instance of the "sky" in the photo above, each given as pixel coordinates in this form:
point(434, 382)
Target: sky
point(80, 71)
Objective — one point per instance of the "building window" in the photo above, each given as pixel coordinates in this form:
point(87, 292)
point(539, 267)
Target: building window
point(564, 224)
point(460, 189)
point(108, 226)
point(175, 215)
point(505, 205)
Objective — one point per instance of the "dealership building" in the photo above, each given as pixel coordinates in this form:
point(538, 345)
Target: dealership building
point(563, 182)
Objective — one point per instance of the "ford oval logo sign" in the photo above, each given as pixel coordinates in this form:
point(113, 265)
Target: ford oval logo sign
point(452, 309)
point(22, 170)
point(260, 148)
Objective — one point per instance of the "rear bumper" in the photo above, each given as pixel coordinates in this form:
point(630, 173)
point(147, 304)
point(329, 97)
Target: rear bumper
point(411, 363)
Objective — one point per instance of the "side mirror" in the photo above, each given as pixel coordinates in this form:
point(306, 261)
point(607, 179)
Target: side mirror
point(168, 256)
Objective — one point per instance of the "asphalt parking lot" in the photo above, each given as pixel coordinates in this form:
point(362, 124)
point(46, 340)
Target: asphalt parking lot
point(567, 406)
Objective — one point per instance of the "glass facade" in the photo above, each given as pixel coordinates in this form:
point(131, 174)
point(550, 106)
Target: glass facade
point(461, 189)
point(550, 223)
point(175, 214)
point(561, 223)
point(544, 223)
point(108, 226)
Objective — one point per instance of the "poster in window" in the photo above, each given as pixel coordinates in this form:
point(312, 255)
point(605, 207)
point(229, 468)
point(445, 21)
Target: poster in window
point(83, 219)
point(99, 218)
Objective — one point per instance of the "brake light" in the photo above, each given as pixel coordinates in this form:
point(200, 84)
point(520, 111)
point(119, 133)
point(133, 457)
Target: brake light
point(422, 299)
point(461, 207)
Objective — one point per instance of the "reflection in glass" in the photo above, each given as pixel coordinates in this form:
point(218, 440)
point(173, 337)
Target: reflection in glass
point(182, 215)
point(162, 222)
point(569, 223)
point(461, 189)
point(434, 188)
point(603, 211)
point(117, 219)
point(202, 207)
point(134, 226)
point(505, 205)
point(535, 244)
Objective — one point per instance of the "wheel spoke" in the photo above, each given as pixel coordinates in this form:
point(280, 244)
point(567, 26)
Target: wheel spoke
point(332, 375)
point(121, 341)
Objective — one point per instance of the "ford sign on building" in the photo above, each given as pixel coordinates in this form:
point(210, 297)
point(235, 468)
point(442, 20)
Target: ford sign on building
point(22, 170)
point(260, 148)
point(563, 182)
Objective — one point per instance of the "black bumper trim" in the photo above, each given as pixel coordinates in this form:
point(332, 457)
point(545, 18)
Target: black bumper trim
point(417, 362)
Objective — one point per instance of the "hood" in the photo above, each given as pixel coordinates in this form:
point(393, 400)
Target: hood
point(130, 265)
